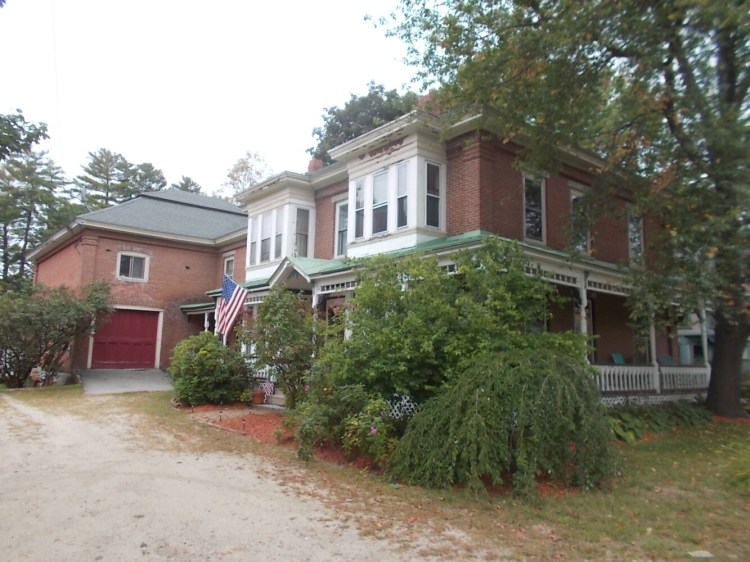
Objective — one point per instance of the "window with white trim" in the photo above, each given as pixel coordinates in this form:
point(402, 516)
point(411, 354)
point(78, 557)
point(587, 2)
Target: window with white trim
point(533, 208)
point(342, 227)
point(278, 232)
point(265, 236)
point(380, 202)
point(432, 210)
point(635, 238)
point(229, 266)
point(359, 209)
point(580, 239)
point(132, 266)
point(402, 201)
point(252, 257)
point(302, 233)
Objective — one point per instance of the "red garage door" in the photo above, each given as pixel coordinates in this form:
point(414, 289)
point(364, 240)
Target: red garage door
point(127, 341)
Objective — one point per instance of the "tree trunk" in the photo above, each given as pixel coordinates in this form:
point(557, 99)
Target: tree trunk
point(726, 378)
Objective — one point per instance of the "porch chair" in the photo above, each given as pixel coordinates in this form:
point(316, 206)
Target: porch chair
point(618, 359)
point(665, 361)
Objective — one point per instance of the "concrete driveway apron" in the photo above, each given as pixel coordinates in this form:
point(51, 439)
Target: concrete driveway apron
point(116, 381)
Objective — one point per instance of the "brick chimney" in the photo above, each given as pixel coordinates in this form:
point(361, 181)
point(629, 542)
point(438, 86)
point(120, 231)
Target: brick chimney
point(429, 103)
point(315, 165)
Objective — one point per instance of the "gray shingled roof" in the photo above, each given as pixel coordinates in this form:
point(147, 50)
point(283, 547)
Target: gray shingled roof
point(173, 212)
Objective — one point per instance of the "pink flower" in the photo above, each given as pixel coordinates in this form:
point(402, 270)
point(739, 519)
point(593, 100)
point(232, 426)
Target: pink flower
point(307, 388)
point(373, 430)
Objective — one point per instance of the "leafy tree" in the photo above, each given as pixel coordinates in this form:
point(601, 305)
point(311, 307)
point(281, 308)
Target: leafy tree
point(248, 171)
point(38, 326)
point(283, 338)
point(186, 184)
point(30, 207)
point(144, 178)
point(658, 90)
point(18, 135)
point(359, 115)
point(105, 181)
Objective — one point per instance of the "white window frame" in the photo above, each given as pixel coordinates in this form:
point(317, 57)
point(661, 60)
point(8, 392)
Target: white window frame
point(429, 196)
point(146, 263)
point(266, 229)
point(229, 259)
point(341, 208)
point(402, 193)
point(576, 193)
point(380, 207)
point(542, 210)
point(278, 234)
point(298, 233)
point(252, 246)
point(360, 197)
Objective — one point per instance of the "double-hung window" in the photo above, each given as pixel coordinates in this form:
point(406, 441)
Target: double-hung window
point(301, 234)
point(278, 232)
point(359, 209)
point(252, 258)
point(401, 195)
point(432, 215)
point(380, 202)
point(229, 266)
point(533, 190)
point(579, 233)
point(265, 236)
point(132, 267)
point(342, 227)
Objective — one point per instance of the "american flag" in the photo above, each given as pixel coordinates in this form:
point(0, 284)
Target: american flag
point(230, 303)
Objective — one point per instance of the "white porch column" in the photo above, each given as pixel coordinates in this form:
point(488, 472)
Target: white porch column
point(206, 321)
point(654, 362)
point(582, 306)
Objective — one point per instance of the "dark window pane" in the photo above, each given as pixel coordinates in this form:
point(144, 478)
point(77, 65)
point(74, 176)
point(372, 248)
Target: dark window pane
point(402, 216)
point(433, 211)
point(433, 179)
point(359, 227)
point(380, 219)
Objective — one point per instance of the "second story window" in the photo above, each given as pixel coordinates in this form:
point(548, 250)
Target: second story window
point(302, 233)
point(342, 227)
point(252, 257)
point(432, 216)
point(278, 233)
point(533, 190)
point(401, 194)
point(579, 233)
point(380, 202)
point(359, 209)
point(132, 267)
point(229, 266)
point(635, 238)
point(265, 236)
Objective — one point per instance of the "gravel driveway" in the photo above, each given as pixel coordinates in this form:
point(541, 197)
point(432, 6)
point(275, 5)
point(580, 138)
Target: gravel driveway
point(88, 489)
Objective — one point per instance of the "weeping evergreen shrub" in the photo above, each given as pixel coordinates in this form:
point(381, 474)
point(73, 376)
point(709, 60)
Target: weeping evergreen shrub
point(516, 415)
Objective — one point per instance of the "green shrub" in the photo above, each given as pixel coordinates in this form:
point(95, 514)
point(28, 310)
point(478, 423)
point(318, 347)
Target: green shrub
point(630, 423)
point(522, 413)
point(371, 432)
point(205, 371)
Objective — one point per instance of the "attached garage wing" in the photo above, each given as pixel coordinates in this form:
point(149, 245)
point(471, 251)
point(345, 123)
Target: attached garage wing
point(127, 341)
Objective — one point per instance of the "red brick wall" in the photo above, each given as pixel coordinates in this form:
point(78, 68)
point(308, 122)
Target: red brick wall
point(562, 315)
point(611, 326)
point(325, 218)
point(178, 274)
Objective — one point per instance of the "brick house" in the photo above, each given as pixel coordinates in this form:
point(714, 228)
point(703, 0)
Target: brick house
point(414, 184)
point(160, 253)
point(417, 184)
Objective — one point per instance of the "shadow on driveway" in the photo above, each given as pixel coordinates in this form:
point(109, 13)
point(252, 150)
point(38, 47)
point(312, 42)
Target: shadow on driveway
point(116, 381)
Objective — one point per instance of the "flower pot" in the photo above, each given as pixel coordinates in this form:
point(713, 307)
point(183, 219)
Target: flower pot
point(259, 396)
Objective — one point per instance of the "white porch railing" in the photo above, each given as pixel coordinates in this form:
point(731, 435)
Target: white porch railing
point(685, 378)
point(649, 379)
point(627, 379)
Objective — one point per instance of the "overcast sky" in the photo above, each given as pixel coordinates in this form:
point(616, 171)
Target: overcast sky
point(188, 85)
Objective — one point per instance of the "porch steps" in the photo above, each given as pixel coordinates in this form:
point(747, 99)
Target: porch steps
point(276, 399)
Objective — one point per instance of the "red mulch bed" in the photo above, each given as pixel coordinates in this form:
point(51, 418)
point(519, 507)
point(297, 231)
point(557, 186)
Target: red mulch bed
point(264, 425)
